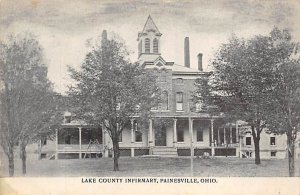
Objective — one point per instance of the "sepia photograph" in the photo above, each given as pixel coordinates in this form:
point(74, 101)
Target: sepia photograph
point(160, 93)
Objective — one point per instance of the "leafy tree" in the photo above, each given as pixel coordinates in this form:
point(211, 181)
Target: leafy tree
point(110, 90)
point(241, 83)
point(44, 114)
point(24, 95)
point(286, 91)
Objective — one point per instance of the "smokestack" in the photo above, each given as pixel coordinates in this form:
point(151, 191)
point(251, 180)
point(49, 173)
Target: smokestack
point(104, 38)
point(186, 52)
point(104, 41)
point(200, 68)
point(104, 35)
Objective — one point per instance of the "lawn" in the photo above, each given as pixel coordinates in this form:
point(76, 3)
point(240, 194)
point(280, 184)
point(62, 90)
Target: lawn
point(154, 167)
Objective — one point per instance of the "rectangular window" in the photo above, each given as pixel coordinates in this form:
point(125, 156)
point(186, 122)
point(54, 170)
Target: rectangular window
point(179, 101)
point(248, 141)
point(273, 153)
point(180, 135)
point(138, 133)
point(198, 106)
point(199, 135)
point(138, 136)
point(272, 141)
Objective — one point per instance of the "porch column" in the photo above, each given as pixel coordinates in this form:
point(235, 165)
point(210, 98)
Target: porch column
point(175, 132)
point(132, 137)
point(103, 140)
point(219, 138)
point(230, 134)
point(237, 132)
point(192, 145)
point(80, 148)
point(151, 144)
point(56, 144)
point(238, 140)
point(225, 141)
point(212, 137)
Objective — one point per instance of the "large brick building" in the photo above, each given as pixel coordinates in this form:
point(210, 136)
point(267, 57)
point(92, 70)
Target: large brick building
point(176, 125)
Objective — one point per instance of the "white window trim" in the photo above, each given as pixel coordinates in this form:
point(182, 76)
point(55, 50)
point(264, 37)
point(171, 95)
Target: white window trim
point(274, 141)
point(246, 141)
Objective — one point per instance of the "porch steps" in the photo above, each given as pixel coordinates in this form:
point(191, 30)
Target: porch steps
point(165, 151)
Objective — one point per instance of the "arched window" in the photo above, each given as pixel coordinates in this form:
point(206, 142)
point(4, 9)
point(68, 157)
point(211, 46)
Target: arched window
point(165, 100)
point(140, 47)
point(147, 45)
point(163, 76)
point(155, 45)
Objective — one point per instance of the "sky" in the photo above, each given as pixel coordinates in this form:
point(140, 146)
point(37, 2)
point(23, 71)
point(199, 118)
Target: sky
point(64, 28)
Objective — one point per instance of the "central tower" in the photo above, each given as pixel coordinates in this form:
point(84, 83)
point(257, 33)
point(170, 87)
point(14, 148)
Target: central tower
point(149, 41)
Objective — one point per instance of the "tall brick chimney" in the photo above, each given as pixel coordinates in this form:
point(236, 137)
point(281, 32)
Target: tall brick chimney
point(200, 68)
point(104, 40)
point(186, 52)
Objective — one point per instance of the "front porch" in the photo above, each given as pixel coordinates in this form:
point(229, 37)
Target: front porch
point(167, 137)
point(79, 142)
point(173, 136)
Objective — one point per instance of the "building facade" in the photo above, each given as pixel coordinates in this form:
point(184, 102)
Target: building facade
point(177, 126)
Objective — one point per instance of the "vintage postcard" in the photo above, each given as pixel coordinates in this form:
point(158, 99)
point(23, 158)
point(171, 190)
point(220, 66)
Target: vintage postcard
point(162, 96)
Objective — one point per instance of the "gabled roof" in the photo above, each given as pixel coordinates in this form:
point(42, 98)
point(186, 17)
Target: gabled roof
point(150, 26)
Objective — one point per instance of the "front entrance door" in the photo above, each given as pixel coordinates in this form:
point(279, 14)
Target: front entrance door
point(161, 136)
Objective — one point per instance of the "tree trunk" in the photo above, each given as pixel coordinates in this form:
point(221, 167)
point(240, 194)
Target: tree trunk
point(116, 154)
point(291, 155)
point(257, 150)
point(11, 164)
point(40, 150)
point(256, 139)
point(23, 157)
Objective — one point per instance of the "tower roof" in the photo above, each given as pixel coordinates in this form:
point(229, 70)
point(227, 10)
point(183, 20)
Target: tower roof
point(150, 26)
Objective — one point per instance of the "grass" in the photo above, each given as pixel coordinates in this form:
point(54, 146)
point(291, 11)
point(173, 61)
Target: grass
point(155, 167)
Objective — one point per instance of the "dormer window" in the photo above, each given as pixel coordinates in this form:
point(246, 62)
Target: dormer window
point(147, 45)
point(67, 119)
